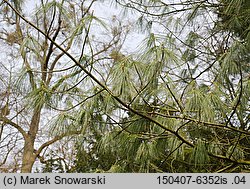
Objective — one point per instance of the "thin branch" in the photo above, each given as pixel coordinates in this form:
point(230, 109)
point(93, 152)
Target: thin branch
point(85, 39)
point(55, 139)
point(20, 129)
point(238, 140)
point(227, 168)
point(211, 124)
point(66, 110)
point(171, 153)
point(128, 5)
point(50, 51)
point(239, 97)
point(172, 94)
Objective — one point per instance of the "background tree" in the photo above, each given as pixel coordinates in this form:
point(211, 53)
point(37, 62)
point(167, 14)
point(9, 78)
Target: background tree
point(48, 91)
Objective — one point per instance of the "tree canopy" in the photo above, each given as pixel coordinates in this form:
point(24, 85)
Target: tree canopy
point(77, 96)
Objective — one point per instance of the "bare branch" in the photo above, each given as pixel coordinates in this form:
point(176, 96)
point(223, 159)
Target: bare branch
point(13, 124)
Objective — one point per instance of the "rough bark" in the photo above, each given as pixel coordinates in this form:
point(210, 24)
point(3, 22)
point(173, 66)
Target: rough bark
point(29, 156)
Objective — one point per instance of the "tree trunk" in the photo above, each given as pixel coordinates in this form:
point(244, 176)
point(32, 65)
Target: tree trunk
point(29, 156)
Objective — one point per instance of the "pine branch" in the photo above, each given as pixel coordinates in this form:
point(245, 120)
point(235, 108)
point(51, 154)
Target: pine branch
point(50, 51)
point(232, 165)
point(148, 117)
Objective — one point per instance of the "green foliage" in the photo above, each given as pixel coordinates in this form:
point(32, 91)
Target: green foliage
point(180, 103)
point(199, 154)
point(53, 166)
point(234, 16)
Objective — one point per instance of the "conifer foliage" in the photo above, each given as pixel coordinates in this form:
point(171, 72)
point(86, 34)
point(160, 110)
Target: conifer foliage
point(76, 97)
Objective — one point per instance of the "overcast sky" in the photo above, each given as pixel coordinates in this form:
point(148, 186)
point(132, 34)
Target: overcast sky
point(104, 10)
